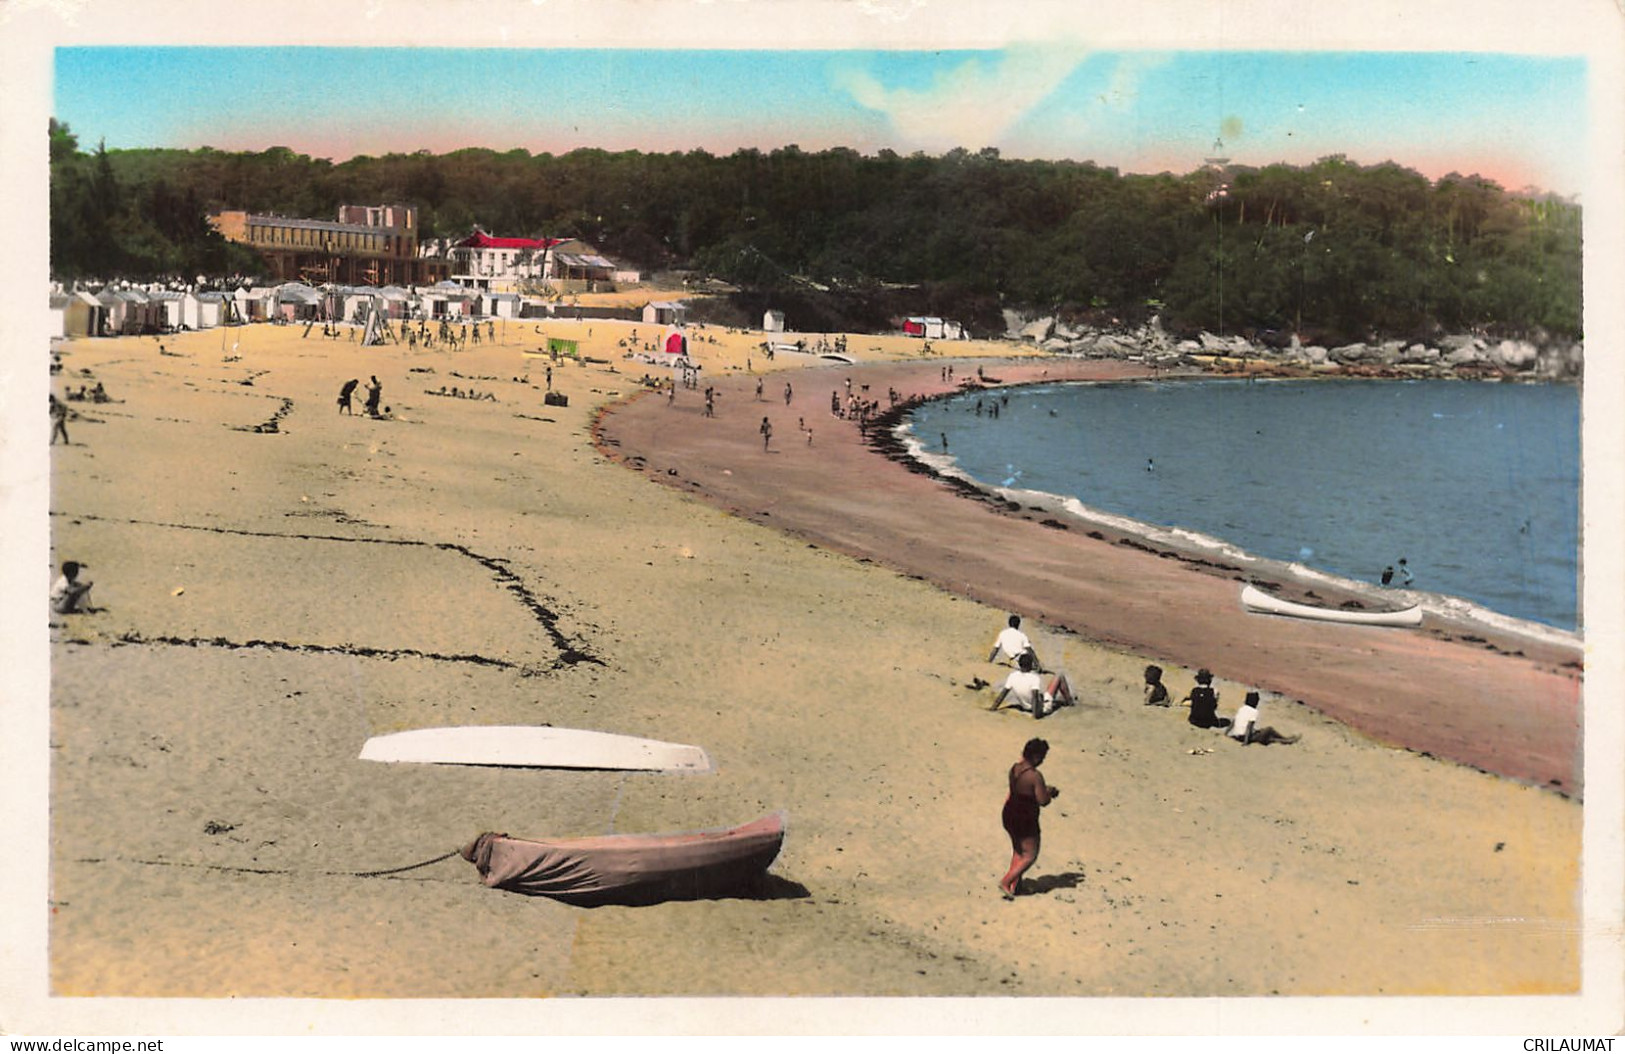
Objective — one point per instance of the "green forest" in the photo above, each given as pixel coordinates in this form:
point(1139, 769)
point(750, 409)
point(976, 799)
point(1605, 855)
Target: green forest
point(1332, 250)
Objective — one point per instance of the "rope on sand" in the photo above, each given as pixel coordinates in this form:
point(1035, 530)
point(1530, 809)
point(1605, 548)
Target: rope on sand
point(398, 870)
point(275, 871)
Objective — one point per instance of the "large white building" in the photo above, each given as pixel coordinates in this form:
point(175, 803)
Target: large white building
point(507, 265)
point(501, 264)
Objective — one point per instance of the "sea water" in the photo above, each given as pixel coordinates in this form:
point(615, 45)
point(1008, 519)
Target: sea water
point(1476, 485)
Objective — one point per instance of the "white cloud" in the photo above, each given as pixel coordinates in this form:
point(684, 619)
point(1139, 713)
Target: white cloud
point(971, 105)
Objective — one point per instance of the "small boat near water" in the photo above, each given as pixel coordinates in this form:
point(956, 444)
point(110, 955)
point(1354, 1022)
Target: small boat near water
point(630, 868)
point(1255, 599)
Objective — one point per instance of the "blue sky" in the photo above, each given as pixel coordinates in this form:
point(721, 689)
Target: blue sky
point(1520, 119)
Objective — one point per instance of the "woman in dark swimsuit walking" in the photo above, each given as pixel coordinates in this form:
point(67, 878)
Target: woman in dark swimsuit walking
point(1028, 793)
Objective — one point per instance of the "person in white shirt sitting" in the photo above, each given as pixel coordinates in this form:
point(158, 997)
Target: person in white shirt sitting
point(1013, 644)
point(1027, 686)
point(70, 594)
point(1244, 726)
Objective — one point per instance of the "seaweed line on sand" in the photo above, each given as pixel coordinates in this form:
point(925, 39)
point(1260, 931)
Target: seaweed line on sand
point(358, 650)
point(570, 654)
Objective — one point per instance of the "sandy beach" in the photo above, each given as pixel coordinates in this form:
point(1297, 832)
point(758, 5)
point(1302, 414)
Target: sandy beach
point(815, 615)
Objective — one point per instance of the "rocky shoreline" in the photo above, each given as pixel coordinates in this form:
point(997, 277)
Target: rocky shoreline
point(1462, 356)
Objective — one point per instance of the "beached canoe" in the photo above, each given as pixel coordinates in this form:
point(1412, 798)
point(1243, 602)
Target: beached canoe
point(1255, 599)
point(630, 868)
point(534, 746)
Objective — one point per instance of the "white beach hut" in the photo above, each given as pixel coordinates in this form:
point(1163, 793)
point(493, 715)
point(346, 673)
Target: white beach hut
point(166, 309)
point(59, 314)
point(664, 313)
point(118, 310)
point(210, 307)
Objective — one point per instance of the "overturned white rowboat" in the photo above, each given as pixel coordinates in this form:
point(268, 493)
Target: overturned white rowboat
point(1255, 599)
point(534, 746)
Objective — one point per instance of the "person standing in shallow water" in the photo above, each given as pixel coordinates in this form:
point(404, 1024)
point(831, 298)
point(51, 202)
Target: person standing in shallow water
point(1028, 793)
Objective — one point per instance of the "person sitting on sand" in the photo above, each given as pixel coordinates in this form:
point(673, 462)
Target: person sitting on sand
point(1244, 729)
point(1156, 693)
point(1013, 644)
point(71, 594)
point(1204, 702)
point(1030, 694)
point(1028, 793)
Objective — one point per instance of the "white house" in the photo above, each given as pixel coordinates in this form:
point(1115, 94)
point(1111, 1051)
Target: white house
point(773, 321)
point(486, 262)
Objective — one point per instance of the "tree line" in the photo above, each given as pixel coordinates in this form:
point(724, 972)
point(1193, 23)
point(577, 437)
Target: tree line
point(1332, 250)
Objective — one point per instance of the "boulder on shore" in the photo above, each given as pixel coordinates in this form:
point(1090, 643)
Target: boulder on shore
point(1514, 354)
point(1039, 330)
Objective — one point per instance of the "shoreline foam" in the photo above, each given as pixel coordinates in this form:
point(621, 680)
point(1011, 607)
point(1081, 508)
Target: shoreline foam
point(1201, 545)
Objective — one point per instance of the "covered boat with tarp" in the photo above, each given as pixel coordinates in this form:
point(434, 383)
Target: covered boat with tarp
point(631, 868)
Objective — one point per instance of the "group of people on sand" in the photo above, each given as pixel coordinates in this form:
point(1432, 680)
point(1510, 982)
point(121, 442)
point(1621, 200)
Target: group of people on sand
point(59, 408)
point(97, 394)
point(1025, 686)
point(1029, 792)
point(458, 393)
point(375, 392)
point(1203, 701)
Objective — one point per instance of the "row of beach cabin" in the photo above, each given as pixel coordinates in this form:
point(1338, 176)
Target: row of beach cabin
point(117, 311)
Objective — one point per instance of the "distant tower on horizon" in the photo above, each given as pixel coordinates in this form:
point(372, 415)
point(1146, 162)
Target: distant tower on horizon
point(1216, 162)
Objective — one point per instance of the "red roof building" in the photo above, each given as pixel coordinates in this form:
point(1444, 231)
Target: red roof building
point(500, 264)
